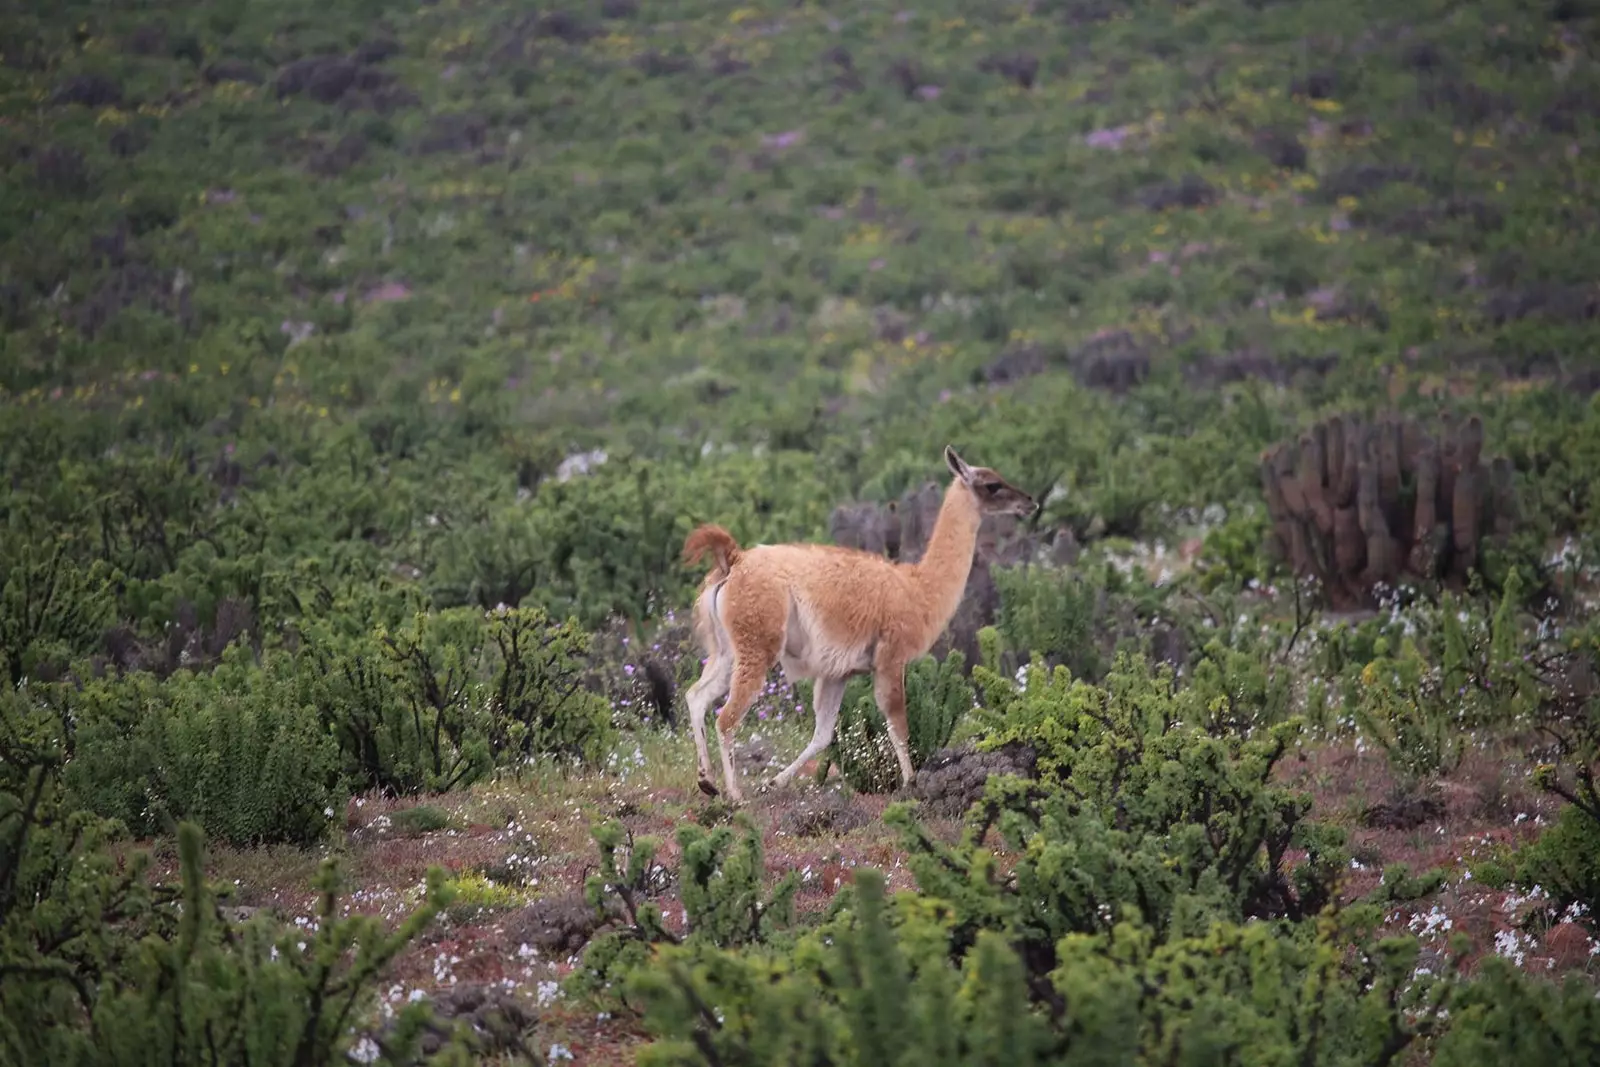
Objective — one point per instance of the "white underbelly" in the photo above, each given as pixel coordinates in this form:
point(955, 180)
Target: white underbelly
point(820, 661)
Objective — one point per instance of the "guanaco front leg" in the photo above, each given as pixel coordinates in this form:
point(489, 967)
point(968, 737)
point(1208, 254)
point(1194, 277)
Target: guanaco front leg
point(889, 690)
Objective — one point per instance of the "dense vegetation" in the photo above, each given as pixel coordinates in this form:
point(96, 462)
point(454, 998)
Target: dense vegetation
point(364, 365)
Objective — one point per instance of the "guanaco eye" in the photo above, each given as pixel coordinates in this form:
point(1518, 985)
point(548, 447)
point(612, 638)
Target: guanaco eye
point(992, 487)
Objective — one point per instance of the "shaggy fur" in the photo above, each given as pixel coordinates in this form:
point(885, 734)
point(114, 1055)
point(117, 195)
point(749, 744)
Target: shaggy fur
point(827, 614)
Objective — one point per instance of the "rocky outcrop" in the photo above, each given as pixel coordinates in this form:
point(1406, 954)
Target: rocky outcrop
point(1357, 504)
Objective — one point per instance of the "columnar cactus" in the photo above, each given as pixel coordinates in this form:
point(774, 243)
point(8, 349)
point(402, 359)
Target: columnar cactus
point(1355, 503)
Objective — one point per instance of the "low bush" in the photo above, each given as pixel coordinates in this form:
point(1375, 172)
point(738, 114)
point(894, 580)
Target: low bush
point(1564, 860)
point(101, 965)
point(720, 882)
point(243, 751)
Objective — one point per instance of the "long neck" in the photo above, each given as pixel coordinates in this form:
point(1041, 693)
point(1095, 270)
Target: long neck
point(943, 569)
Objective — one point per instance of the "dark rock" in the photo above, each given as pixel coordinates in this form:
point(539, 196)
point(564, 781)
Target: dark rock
point(1015, 364)
point(1467, 101)
point(14, 310)
point(1403, 811)
point(564, 26)
point(323, 78)
point(1255, 365)
point(232, 70)
point(953, 779)
point(1282, 148)
point(88, 90)
point(557, 926)
point(1114, 360)
point(1318, 85)
point(63, 170)
point(663, 689)
point(132, 283)
point(1562, 303)
point(1572, 106)
point(452, 133)
point(867, 526)
point(832, 813)
point(1190, 191)
point(340, 156)
point(493, 1023)
point(1020, 67)
point(1360, 179)
point(150, 40)
point(654, 64)
point(1423, 56)
point(376, 50)
point(724, 64)
point(907, 75)
point(129, 140)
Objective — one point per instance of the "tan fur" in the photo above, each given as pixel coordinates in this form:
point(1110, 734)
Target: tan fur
point(712, 538)
point(827, 613)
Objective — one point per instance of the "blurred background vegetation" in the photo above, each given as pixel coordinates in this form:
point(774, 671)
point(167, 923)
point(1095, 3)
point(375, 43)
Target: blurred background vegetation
point(364, 366)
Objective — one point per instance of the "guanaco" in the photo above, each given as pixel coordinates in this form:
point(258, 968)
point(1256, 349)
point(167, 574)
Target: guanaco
point(827, 614)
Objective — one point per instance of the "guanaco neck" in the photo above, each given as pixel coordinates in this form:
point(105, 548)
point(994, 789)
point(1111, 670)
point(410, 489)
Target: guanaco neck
point(942, 571)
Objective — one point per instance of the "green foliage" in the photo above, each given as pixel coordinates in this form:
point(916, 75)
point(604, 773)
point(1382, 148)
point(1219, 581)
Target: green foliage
point(303, 376)
point(1052, 612)
point(241, 750)
point(1564, 860)
point(1403, 707)
point(877, 985)
point(435, 702)
point(720, 883)
point(420, 819)
point(1502, 1014)
point(66, 903)
point(1398, 885)
point(1420, 695)
point(1234, 551)
point(51, 603)
point(473, 894)
point(257, 995)
point(938, 697)
point(864, 993)
point(100, 966)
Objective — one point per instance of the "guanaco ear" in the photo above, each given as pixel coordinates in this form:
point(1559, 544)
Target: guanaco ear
point(958, 466)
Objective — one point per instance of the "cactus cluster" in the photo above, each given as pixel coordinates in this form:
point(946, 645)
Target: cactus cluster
point(1358, 503)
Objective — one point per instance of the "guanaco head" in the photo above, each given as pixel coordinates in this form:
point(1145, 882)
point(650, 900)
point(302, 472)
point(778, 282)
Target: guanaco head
point(994, 494)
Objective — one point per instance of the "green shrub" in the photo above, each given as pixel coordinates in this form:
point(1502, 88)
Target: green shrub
point(1564, 860)
point(1177, 820)
point(720, 883)
point(53, 606)
point(419, 820)
point(864, 994)
point(1401, 704)
point(537, 702)
point(938, 697)
point(439, 700)
point(877, 985)
point(242, 751)
point(1053, 613)
point(98, 965)
point(1234, 552)
point(260, 995)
